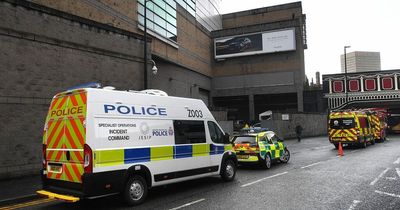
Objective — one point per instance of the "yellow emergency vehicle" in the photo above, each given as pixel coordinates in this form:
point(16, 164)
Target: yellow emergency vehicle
point(350, 128)
point(262, 148)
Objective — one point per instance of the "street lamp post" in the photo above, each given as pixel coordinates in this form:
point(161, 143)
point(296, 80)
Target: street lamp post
point(145, 46)
point(345, 76)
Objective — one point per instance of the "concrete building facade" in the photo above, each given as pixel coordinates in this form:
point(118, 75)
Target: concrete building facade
point(49, 46)
point(361, 61)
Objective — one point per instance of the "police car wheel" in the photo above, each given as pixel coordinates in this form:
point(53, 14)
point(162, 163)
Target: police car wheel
point(228, 170)
point(285, 157)
point(267, 161)
point(135, 190)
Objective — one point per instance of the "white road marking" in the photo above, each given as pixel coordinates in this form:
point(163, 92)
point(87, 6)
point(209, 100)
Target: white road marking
point(251, 183)
point(389, 194)
point(398, 171)
point(311, 165)
point(397, 161)
point(391, 178)
point(354, 204)
point(188, 204)
point(380, 176)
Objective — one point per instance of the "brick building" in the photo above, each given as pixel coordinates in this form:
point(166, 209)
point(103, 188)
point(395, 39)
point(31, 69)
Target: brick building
point(49, 46)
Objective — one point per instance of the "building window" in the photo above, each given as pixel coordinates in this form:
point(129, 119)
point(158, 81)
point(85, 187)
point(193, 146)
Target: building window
point(387, 83)
point(370, 84)
point(338, 86)
point(189, 132)
point(161, 15)
point(354, 85)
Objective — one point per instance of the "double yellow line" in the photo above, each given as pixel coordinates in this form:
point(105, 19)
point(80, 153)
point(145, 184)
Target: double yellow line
point(27, 204)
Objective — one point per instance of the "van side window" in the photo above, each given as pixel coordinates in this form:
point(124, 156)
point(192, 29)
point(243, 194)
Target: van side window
point(189, 132)
point(215, 133)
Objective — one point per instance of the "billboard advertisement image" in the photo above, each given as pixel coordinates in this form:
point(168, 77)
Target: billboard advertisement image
point(256, 43)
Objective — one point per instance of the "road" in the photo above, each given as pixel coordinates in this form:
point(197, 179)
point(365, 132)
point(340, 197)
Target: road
point(315, 178)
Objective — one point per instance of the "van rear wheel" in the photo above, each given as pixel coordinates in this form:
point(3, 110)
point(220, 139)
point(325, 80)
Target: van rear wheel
point(135, 190)
point(228, 170)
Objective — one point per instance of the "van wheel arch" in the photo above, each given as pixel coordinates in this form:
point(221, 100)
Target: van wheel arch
point(227, 156)
point(143, 171)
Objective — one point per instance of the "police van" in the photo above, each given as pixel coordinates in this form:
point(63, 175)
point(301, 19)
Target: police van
point(99, 142)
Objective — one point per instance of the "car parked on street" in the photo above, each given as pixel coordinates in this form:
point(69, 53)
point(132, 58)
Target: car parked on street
point(262, 148)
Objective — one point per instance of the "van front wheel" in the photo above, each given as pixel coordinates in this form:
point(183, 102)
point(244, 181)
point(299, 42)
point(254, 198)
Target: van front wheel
point(228, 170)
point(135, 190)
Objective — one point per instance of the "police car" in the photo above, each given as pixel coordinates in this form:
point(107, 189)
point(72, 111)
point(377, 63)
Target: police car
point(99, 142)
point(262, 147)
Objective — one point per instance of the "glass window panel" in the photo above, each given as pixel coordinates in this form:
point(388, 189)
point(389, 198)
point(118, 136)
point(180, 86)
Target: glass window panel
point(171, 20)
point(160, 3)
point(150, 5)
point(171, 28)
point(160, 30)
point(141, 1)
point(191, 4)
point(182, 3)
point(160, 12)
point(141, 19)
point(150, 15)
point(171, 3)
point(140, 9)
point(171, 11)
point(161, 22)
point(150, 24)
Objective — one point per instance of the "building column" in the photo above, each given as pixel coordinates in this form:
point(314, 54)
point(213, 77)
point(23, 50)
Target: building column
point(379, 82)
point(396, 82)
point(362, 83)
point(330, 86)
point(251, 107)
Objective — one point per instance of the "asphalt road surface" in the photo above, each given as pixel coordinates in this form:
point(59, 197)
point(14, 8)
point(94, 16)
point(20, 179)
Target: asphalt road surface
point(315, 178)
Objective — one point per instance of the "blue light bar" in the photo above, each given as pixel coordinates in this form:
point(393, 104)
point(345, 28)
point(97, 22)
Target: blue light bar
point(86, 85)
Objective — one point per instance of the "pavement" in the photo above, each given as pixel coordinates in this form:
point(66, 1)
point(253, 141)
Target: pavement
point(19, 189)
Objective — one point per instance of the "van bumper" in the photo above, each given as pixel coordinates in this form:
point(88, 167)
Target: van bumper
point(93, 185)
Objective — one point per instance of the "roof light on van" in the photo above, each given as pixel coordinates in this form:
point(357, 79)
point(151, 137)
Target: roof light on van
point(86, 85)
point(109, 88)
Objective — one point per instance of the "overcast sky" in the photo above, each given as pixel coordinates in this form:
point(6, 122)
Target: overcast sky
point(365, 25)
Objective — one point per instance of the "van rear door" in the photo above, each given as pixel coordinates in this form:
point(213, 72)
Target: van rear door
point(64, 136)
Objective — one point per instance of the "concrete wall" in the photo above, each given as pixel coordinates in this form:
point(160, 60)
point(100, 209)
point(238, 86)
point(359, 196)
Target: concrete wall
point(227, 126)
point(45, 52)
point(313, 124)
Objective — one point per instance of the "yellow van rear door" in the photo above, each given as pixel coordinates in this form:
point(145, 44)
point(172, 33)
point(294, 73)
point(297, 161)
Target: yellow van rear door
point(65, 136)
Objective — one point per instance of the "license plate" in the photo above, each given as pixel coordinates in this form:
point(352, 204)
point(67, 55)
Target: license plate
point(243, 157)
point(55, 168)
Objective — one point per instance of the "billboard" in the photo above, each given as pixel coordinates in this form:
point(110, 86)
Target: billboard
point(256, 43)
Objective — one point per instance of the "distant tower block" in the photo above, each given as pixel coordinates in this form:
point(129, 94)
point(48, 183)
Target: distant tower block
point(317, 78)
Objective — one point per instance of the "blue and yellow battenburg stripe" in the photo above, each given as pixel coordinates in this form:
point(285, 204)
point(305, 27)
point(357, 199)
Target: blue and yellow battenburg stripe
point(141, 155)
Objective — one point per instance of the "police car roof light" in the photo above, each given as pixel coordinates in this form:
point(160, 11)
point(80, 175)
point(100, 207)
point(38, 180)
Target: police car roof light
point(86, 85)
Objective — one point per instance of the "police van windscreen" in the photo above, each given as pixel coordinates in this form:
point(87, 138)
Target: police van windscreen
point(244, 139)
point(342, 123)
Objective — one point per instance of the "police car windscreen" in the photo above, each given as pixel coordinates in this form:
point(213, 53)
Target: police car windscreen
point(244, 139)
point(342, 123)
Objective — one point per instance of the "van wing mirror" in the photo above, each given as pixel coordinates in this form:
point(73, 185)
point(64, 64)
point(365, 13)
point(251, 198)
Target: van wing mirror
point(226, 138)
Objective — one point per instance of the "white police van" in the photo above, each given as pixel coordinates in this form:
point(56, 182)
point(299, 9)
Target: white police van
point(100, 142)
